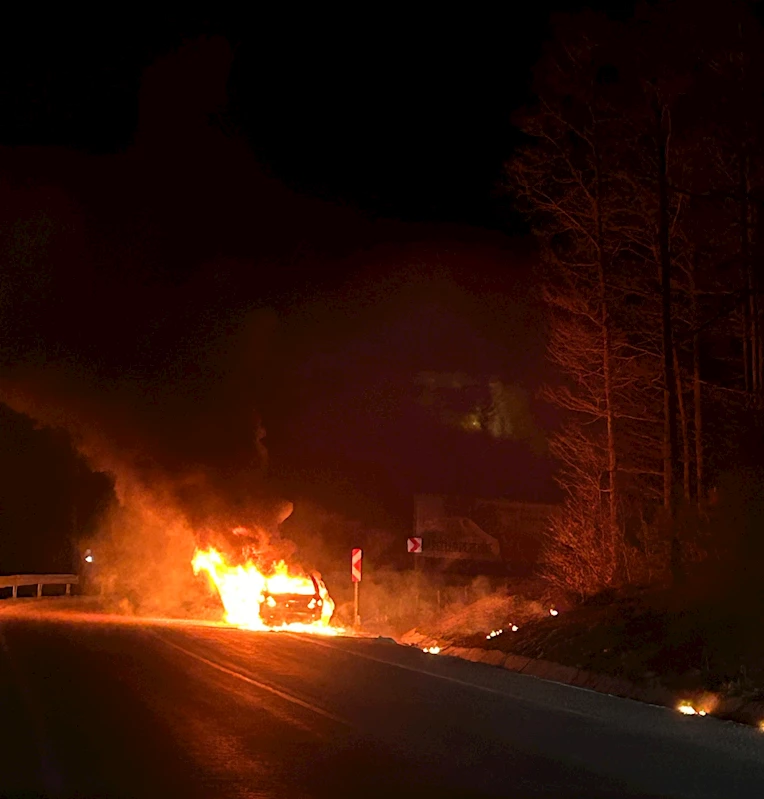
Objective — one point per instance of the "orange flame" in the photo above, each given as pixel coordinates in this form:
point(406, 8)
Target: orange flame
point(243, 590)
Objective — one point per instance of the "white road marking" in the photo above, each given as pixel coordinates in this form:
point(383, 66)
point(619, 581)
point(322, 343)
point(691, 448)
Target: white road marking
point(263, 686)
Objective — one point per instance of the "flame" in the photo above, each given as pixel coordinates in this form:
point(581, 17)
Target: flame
point(242, 591)
point(431, 650)
point(689, 710)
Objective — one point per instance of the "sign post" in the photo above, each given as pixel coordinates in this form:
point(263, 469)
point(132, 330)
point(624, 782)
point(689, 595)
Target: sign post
point(356, 558)
point(414, 547)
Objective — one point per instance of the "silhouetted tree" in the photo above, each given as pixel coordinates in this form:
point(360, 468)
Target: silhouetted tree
point(641, 178)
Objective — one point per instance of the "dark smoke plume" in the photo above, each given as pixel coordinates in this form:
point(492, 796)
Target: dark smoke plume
point(188, 463)
point(127, 323)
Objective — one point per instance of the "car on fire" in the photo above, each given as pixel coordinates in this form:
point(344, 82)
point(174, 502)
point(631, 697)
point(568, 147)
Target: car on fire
point(277, 609)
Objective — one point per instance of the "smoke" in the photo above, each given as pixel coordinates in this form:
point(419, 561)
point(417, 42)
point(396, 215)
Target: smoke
point(393, 601)
point(128, 324)
point(127, 287)
point(187, 458)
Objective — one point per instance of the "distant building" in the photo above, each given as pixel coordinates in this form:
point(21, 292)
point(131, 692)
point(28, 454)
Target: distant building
point(485, 531)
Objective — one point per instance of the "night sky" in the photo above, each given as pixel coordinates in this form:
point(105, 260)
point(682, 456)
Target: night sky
point(319, 208)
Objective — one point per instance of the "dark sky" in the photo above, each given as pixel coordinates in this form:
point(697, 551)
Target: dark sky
point(406, 117)
point(340, 179)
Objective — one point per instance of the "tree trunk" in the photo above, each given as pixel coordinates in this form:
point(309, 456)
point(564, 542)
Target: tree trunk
point(612, 461)
point(697, 399)
point(671, 479)
point(756, 226)
point(753, 292)
point(750, 312)
point(612, 465)
point(685, 431)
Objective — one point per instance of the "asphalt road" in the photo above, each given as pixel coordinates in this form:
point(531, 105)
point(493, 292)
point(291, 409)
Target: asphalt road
point(92, 707)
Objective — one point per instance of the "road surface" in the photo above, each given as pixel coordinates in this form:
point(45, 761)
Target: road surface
point(93, 707)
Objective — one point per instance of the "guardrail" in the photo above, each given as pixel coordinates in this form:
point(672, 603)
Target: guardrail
point(15, 580)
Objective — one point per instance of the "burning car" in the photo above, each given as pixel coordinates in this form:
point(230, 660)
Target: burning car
point(303, 607)
point(260, 596)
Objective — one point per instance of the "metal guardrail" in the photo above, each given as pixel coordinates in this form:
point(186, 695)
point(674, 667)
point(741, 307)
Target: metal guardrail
point(15, 580)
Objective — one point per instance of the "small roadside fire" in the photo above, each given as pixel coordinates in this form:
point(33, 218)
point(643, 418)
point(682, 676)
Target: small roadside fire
point(276, 598)
point(431, 650)
point(689, 710)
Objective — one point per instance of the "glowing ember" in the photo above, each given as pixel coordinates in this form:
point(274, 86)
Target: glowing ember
point(515, 628)
point(553, 612)
point(493, 634)
point(275, 598)
point(431, 650)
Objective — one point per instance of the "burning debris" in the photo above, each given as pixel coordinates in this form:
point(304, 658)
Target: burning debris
point(688, 710)
point(701, 705)
point(267, 598)
point(431, 650)
point(496, 633)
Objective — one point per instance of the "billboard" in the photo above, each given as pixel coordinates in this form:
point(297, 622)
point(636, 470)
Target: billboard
point(481, 529)
point(447, 533)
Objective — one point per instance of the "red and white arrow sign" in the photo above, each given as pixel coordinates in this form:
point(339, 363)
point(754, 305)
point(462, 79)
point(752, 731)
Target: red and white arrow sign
point(414, 545)
point(355, 565)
